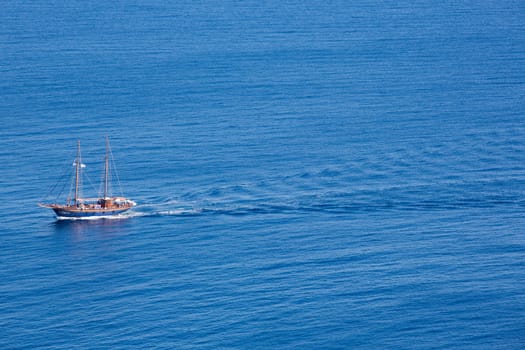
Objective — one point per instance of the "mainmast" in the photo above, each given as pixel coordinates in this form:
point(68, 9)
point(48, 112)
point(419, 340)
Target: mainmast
point(78, 165)
point(106, 170)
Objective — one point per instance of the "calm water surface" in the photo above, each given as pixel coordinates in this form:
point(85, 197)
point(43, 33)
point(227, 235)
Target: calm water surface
point(310, 175)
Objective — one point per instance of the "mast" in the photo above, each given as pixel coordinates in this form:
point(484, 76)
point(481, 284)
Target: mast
point(106, 170)
point(77, 173)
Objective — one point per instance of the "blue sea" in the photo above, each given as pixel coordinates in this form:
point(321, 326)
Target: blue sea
point(309, 174)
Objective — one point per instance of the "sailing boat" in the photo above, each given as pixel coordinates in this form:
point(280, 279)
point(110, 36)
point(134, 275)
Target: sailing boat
point(78, 207)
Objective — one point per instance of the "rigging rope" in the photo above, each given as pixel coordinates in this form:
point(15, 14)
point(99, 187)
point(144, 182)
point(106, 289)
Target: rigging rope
point(90, 182)
point(52, 188)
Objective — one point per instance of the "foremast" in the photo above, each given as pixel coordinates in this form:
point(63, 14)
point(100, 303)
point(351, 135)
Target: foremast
point(106, 169)
point(78, 166)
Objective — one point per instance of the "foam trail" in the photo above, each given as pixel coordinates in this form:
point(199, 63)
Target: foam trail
point(168, 208)
point(92, 218)
point(177, 212)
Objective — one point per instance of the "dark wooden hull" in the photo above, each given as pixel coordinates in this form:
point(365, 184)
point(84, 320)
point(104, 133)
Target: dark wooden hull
point(75, 212)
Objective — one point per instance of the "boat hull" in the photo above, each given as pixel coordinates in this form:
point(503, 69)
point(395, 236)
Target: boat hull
point(65, 213)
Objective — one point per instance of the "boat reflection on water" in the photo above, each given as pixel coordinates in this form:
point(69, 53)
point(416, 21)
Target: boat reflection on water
point(81, 229)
